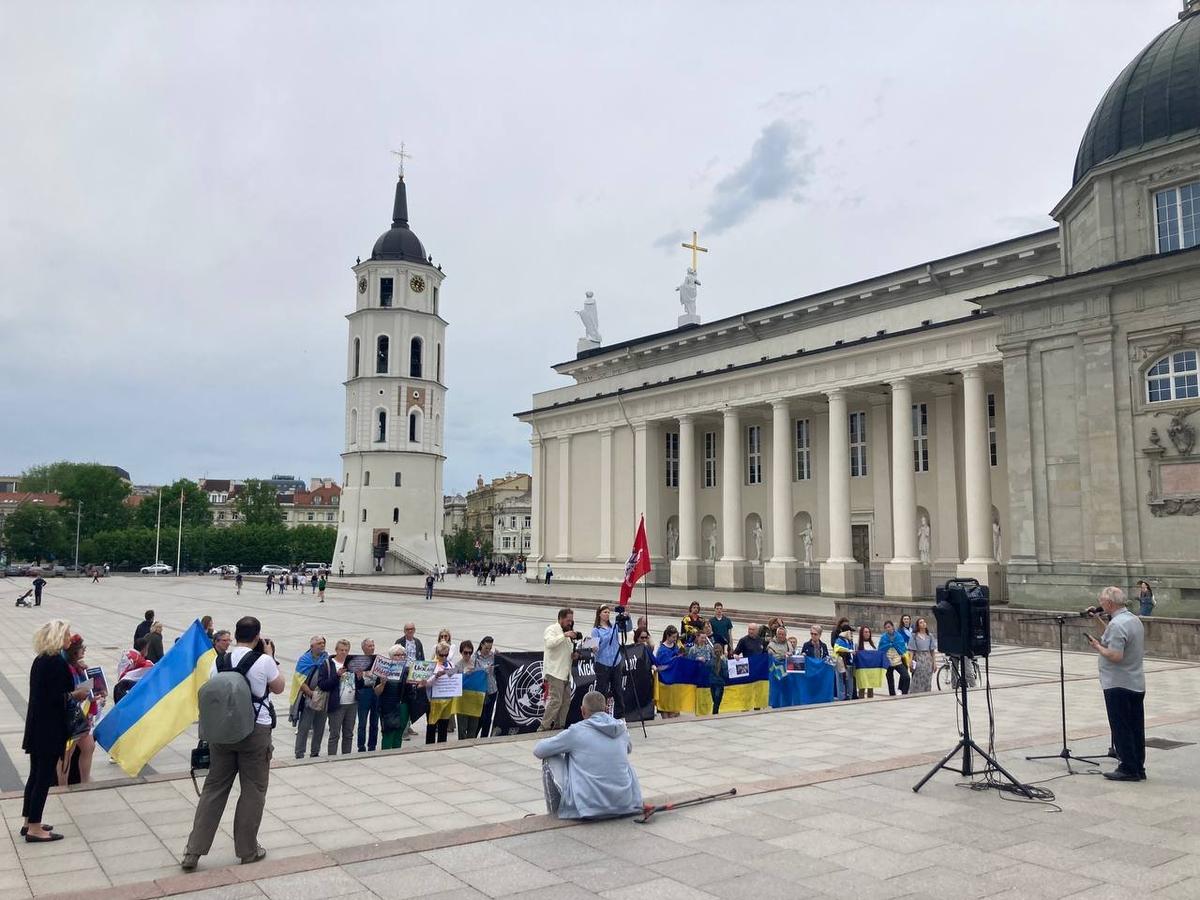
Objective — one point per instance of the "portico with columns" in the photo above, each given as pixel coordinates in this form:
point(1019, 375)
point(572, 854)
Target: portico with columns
point(868, 466)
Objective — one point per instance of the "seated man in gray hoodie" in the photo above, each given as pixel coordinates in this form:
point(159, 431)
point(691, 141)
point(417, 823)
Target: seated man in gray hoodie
point(585, 769)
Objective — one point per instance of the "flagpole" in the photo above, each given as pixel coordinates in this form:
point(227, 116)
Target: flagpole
point(179, 540)
point(158, 529)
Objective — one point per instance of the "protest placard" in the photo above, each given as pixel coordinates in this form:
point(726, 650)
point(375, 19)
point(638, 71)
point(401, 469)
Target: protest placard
point(795, 663)
point(360, 662)
point(739, 668)
point(388, 669)
point(421, 670)
point(99, 681)
point(447, 687)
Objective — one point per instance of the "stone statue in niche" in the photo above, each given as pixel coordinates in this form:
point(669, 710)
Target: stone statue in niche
point(712, 544)
point(923, 544)
point(672, 542)
point(806, 540)
point(758, 541)
point(996, 548)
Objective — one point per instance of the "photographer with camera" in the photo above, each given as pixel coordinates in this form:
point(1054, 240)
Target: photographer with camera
point(248, 760)
point(559, 643)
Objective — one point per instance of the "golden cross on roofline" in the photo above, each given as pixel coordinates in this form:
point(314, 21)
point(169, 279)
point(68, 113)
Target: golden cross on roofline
point(693, 246)
point(403, 155)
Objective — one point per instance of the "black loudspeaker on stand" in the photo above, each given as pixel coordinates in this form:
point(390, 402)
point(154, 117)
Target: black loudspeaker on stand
point(964, 626)
point(1065, 753)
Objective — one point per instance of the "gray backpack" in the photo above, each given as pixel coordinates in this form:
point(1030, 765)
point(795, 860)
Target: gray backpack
point(228, 709)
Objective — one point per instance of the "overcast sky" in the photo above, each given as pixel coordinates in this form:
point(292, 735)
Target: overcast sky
point(183, 188)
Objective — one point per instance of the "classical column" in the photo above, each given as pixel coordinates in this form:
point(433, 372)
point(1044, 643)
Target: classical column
point(564, 497)
point(779, 574)
point(837, 572)
point(684, 568)
point(606, 495)
point(731, 570)
point(532, 569)
point(945, 535)
point(647, 487)
point(901, 576)
point(977, 480)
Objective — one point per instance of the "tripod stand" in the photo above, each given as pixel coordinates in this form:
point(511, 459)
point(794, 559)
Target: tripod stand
point(966, 744)
point(633, 681)
point(1065, 753)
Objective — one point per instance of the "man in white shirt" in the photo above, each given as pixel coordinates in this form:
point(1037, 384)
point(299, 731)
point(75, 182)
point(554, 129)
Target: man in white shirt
point(559, 641)
point(249, 760)
point(1123, 681)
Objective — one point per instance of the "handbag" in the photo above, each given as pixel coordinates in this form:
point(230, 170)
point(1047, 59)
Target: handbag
point(77, 722)
point(319, 701)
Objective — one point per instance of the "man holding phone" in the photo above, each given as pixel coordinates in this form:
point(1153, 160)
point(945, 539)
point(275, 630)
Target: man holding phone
point(249, 760)
point(1123, 681)
point(559, 643)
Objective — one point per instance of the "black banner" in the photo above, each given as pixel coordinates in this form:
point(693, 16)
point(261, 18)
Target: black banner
point(520, 697)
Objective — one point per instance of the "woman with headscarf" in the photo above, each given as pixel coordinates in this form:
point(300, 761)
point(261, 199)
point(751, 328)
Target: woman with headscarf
point(76, 767)
point(45, 740)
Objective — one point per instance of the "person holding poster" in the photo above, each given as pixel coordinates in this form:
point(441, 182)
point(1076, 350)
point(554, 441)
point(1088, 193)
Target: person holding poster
point(468, 726)
point(442, 669)
point(395, 695)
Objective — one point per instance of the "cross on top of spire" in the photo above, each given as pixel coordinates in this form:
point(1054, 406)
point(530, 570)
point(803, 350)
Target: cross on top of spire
point(402, 155)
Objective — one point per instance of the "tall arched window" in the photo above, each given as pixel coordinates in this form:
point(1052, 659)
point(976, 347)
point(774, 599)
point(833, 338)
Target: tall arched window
point(439, 362)
point(414, 358)
point(395, 514)
point(357, 351)
point(353, 427)
point(381, 355)
point(414, 427)
point(381, 427)
point(1174, 377)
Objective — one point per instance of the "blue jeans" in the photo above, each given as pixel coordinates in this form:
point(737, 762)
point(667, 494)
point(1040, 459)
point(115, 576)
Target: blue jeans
point(368, 707)
point(1147, 607)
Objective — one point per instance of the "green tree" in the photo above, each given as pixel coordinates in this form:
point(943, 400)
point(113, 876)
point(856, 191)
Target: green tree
point(311, 543)
point(101, 490)
point(35, 533)
point(196, 513)
point(258, 504)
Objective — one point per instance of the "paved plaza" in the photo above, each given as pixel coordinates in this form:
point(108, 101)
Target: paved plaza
point(824, 804)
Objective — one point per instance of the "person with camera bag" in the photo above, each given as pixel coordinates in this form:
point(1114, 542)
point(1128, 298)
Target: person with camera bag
point(236, 718)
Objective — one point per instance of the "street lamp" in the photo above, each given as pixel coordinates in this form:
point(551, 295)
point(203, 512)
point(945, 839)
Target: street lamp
point(78, 516)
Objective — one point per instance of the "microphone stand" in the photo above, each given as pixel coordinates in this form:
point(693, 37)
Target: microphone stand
point(1065, 753)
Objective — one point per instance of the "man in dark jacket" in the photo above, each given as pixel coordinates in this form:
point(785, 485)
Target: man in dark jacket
point(750, 643)
point(38, 584)
point(143, 628)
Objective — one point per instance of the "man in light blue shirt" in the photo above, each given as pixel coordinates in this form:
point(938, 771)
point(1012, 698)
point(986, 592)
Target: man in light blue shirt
point(1123, 680)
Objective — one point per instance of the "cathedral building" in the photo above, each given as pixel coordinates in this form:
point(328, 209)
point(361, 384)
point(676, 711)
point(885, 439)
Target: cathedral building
point(390, 518)
point(1023, 413)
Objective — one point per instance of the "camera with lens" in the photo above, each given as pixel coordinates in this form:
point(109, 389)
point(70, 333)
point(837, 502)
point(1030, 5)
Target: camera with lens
point(623, 619)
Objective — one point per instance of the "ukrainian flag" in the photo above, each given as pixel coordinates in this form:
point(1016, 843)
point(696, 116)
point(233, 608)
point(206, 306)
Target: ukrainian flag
point(160, 706)
point(683, 686)
point(469, 704)
point(869, 667)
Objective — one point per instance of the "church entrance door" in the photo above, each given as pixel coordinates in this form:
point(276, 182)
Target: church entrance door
point(860, 544)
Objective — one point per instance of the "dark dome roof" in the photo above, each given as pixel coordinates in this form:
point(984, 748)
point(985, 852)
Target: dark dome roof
point(1154, 101)
point(398, 242)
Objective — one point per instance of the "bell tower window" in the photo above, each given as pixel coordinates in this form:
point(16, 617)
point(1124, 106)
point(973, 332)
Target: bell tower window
point(414, 358)
point(385, 292)
point(381, 355)
point(357, 352)
point(381, 427)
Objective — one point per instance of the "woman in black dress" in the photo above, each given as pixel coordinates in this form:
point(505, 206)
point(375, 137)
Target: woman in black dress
point(50, 686)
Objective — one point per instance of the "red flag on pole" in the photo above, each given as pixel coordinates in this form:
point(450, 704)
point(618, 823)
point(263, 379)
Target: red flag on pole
point(638, 563)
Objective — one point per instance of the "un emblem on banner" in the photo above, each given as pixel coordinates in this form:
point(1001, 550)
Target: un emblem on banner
point(523, 695)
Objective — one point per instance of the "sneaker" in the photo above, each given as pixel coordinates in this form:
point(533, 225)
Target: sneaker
point(189, 862)
point(259, 852)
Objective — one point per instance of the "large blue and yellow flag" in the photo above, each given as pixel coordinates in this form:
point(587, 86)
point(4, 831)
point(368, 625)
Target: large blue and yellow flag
point(869, 668)
point(683, 686)
point(160, 706)
point(469, 704)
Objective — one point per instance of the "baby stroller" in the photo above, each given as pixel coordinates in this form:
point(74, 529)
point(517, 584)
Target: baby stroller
point(26, 599)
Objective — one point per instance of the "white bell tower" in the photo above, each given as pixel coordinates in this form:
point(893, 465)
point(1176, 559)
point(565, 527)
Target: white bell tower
point(391, 504)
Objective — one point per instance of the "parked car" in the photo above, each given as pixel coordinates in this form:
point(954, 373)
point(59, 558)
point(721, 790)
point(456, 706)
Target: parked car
point(315, 568)
point(227, 569)
point(270, 569)
point(16, 570)
point(157, 569)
